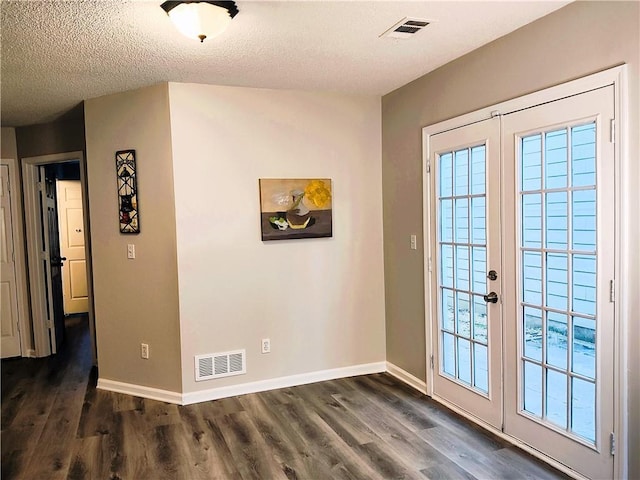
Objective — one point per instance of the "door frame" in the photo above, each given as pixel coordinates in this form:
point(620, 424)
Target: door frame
point(15, 197)
point(33, 243)
point(616, 76)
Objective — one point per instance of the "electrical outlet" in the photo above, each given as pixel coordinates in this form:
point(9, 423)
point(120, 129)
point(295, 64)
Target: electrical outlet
point(413, 242)
point(266, 345)
point(144, 350)
point(131, 251)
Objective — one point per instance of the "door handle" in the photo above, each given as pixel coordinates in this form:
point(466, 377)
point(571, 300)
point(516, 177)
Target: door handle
point(58, 261)
point(491, 297)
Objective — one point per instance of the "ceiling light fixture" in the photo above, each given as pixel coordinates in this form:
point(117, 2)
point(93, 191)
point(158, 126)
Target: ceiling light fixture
point(200, 19)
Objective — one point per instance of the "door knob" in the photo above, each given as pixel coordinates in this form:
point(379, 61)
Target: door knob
point(57, 261)
point(492, 275)
point(491, 297)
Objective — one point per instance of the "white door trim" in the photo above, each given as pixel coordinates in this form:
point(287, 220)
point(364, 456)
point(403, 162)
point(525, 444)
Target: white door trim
point(20, 257)
point(32, 220)
point(616, 76)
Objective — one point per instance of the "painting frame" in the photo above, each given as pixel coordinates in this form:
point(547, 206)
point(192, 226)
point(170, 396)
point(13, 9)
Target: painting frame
point(295, 208)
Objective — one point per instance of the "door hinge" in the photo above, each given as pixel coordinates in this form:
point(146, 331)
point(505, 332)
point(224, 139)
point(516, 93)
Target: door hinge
point(430, 265)
point(612, 291)
point(612, 444)
point(428, 167)
point(612, 131)
point(49, 324)
point(431, 362)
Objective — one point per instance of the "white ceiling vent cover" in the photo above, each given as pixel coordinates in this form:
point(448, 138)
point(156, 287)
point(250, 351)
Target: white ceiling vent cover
point(218, 365)
point(406, 28)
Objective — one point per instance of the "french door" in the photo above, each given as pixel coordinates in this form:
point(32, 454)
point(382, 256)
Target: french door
point(524, 217)
point(467, 239)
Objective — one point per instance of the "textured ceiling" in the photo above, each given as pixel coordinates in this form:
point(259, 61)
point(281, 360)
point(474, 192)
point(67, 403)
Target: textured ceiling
point(57, 53)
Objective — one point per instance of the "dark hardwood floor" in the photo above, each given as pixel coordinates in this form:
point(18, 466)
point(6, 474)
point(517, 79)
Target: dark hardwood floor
point(55, 424)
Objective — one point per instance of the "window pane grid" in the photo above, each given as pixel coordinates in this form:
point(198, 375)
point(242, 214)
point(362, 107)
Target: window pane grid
point(462, 266)
point(558, 277)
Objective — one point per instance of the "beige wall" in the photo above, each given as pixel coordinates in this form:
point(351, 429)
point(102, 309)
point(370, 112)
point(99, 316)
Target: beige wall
point(136, 301)
point(8, 143)
point(582, 38)
point(48, 138)
point(320, 301)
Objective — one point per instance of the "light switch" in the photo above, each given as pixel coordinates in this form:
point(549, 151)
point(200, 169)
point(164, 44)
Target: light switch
point(414, 242)
point(131, 251)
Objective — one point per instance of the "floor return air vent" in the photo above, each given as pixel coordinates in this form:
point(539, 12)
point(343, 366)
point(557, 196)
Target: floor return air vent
point(218, 365)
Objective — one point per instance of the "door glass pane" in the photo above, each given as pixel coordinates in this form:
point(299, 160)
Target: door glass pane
point(479, 269)
point(584, 347)
point(478, 232)
point(532, 376)
point(446, 259)
point(464, 315)
point(462, 272)
point(464, 360)
point(558, 278)
point(478, 169)
point(448, 309)
point(448, 354)
point(446, 174)
point(446, 220)
point(531, 162)
point(584, 220)
point(583, 155)
point(557, 348)
point(461, 180)
point(532, 277)
point(479, 319)
point(532, 220)
point(583, 413)
point(556, 220)
point(555, 165)
point(533, 333)
point(462, 220)
point(480, 364)
point(556, 401)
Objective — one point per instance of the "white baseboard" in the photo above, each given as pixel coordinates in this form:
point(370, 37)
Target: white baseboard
point(407, 378)
point(140, 391)
point(241, 389)
point(282, 382)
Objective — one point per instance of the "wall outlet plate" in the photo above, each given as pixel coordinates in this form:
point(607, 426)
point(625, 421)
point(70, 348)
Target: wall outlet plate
point(266, 345)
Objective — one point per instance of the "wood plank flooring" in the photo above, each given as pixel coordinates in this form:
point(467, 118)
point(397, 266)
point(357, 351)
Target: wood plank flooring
point(56, 425)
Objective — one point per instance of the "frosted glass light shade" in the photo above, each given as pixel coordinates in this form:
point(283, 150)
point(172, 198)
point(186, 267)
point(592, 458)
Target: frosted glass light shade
point(200, 20)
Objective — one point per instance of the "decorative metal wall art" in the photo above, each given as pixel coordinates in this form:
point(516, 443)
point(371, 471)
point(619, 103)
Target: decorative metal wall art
point(127, 191)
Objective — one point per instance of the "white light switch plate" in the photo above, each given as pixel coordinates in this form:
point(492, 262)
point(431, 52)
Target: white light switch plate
point(131, 251)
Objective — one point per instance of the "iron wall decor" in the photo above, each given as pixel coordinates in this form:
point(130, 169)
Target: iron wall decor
point(127, 191)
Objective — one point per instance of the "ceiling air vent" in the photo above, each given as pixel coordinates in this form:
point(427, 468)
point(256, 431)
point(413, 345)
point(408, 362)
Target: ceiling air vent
point(406, 28)
point(218, 365)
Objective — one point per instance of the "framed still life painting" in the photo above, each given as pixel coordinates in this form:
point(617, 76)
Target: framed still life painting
point(295, 208)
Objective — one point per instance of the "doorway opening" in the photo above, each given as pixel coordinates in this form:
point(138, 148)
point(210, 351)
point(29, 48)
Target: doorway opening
point(58, 247)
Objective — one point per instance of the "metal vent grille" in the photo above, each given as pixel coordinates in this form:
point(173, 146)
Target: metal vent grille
point(217, 365)
point(406, 28)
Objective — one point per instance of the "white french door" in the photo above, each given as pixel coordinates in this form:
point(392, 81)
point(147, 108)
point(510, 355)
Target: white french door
point(466, 234)
point(559, 317)
point(522, 214)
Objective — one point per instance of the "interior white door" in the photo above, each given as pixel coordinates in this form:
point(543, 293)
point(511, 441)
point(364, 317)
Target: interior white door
point(559, 262)
point(74, 269)
point(467, 274)
point(10, 343)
